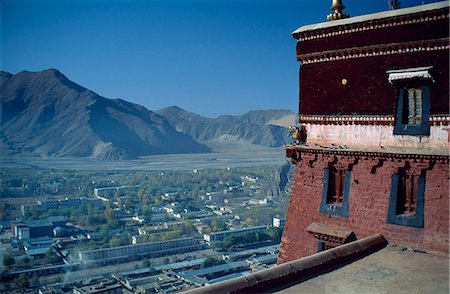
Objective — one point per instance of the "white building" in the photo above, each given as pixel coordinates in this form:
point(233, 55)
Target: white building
point(132, 252)
point(278, 222)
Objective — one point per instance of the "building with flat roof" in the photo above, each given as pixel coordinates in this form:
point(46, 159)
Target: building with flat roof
point(201, 276)
point(104, 286)
point(137, 251)
point(219, 236)
point(374, 101)
point(238, 255)
point(39, 228)
point(37, 246)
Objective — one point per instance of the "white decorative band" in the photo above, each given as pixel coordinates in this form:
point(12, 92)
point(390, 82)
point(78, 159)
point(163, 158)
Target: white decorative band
point(371, 51)
point(365, 119)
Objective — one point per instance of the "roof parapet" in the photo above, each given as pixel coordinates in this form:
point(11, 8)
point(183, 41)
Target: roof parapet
point(373, 16)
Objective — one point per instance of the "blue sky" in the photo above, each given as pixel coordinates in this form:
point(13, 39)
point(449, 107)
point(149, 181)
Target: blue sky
point(209, 57)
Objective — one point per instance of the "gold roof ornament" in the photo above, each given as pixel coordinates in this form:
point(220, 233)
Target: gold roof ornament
point(337, 7)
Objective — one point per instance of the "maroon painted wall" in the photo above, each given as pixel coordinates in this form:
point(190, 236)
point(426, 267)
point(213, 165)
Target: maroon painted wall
point(368, 205)
point(404, 33)
point(368, 90)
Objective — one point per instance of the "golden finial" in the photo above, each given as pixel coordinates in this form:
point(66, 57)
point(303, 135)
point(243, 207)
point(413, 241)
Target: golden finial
point(337, 7)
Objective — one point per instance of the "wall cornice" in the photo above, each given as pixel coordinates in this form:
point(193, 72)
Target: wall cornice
point(375, 50)
point(299, 153)
point(371, 25)
point(364, 119)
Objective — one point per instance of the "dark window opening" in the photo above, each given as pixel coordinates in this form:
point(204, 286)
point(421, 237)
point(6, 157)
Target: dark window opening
point(336, 190)
point(336, 184)
point(406, 203)
point(407, 193)
point(322, 246)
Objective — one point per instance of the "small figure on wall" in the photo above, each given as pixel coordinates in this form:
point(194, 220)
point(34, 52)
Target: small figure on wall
point(298, 134)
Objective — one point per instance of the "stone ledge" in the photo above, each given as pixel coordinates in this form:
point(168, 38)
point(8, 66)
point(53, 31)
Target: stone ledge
point(297, 152)
point(442, 119)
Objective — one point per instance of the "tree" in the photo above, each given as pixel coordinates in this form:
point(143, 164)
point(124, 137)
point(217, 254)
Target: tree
point(8, 261)
point(141, 195)
point(146, 262)
point(110, 216)
point(147, 213)
point(175, 258)
point(122, 239)
point(51, 256)
point(34, 281)
point(3, 210)
point(118, 198)
point(211, 261)
point(275, 234)
point(218, 225)
point(21, 281)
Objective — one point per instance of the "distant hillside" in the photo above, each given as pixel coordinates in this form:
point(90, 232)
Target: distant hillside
point(260, 127)
point(45, 114)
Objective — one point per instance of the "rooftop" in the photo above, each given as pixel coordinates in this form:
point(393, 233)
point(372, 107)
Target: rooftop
point(217, 268)
point(239, 230)
point(390, 270)
point(38, 223)
point(367, 265)
point(373, 16)
point(57, 218)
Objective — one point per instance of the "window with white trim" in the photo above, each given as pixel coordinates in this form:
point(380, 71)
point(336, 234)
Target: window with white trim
point(413, 100)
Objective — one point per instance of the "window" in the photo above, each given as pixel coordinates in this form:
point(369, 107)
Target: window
point(407, 193)
point(413, 100)
point(413, 111)
point(336, 180)
point(406, 202)
point(322, 246)
point(336, 188)
point(412, 106)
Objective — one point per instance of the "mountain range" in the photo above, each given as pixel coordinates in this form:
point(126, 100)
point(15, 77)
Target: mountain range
point(259, 127)
point(45, 114)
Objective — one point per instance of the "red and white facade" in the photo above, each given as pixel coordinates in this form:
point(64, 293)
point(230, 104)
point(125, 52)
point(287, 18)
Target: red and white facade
point(374, 98)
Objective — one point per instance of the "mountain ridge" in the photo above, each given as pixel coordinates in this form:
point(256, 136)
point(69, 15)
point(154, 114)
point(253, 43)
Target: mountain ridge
point(254, 127)
point(46, 114)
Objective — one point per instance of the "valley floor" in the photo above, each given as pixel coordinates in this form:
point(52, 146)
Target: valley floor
point(240, 156)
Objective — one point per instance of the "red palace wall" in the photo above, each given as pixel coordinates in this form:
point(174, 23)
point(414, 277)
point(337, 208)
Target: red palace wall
point(368, 206)
point(362, 53)
point(368, 90)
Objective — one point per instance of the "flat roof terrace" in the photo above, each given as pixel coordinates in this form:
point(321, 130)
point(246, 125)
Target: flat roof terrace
point(367, 265)
point(390, 270)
